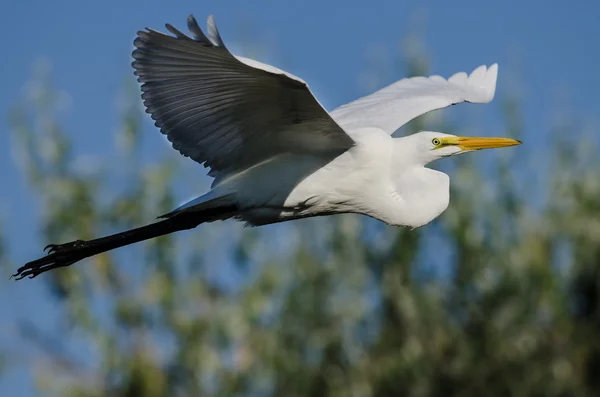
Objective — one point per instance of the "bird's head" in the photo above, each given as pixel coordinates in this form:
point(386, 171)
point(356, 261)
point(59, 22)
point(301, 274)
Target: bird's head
point(429, 146)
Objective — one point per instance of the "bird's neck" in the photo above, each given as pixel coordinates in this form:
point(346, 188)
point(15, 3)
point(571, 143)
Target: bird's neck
point(421, 195)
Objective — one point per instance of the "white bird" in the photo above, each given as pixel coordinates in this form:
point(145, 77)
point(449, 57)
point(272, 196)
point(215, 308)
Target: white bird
point(275, 153)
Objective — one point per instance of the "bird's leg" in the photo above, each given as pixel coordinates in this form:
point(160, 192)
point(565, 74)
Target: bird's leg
point(51, 248)
point(62, 255)
point(59, 255)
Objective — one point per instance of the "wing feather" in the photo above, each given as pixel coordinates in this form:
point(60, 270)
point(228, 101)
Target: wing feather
point(395, 105)
point(224, 111)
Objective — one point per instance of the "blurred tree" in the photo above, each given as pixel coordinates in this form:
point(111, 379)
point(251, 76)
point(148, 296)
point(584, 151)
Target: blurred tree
point(497, 297)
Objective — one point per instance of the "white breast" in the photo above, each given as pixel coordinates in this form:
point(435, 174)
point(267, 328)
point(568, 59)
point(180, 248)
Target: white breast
point(422, 195)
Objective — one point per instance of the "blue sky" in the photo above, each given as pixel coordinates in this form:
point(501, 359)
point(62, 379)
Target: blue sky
point(547, 50)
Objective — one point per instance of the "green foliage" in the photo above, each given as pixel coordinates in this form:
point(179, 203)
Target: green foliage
point(498, 297)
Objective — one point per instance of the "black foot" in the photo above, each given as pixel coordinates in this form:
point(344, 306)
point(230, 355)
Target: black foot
point(59, 255)
point(52, 248)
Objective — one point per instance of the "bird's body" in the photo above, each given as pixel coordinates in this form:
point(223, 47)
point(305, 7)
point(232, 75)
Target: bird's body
point(275, 153)
point(378, 177)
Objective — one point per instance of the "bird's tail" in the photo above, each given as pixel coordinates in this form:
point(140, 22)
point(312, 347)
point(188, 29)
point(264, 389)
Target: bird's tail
point(61, 255)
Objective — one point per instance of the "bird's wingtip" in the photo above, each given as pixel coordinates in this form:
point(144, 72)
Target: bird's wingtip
point(491, 79)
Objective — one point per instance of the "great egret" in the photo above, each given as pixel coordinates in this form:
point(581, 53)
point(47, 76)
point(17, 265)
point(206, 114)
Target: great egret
point(275, 153)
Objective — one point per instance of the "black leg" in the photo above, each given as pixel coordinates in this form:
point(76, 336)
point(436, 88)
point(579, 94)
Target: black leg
point(62, 255)
point(59, 255)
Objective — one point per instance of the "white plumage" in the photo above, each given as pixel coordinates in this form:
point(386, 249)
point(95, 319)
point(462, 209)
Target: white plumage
point(275, 151)
point(276, 154)
point(397, 104)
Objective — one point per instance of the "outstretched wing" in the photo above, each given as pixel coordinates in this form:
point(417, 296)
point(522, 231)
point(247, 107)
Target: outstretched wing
point(224, 111)
point(395, 105)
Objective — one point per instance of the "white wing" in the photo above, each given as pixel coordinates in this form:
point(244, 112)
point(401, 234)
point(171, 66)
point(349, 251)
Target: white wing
point(224, 111)
point(395, 105)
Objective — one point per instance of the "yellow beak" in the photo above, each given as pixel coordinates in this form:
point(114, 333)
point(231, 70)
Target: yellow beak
point(478, 143)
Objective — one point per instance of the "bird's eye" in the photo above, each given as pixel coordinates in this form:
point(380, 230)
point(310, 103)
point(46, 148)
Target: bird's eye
point(435, 141)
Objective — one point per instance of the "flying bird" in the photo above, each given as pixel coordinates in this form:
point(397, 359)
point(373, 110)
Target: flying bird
point(273, 150)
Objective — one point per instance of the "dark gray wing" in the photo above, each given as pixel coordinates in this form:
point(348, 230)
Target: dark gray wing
point(224, 111)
